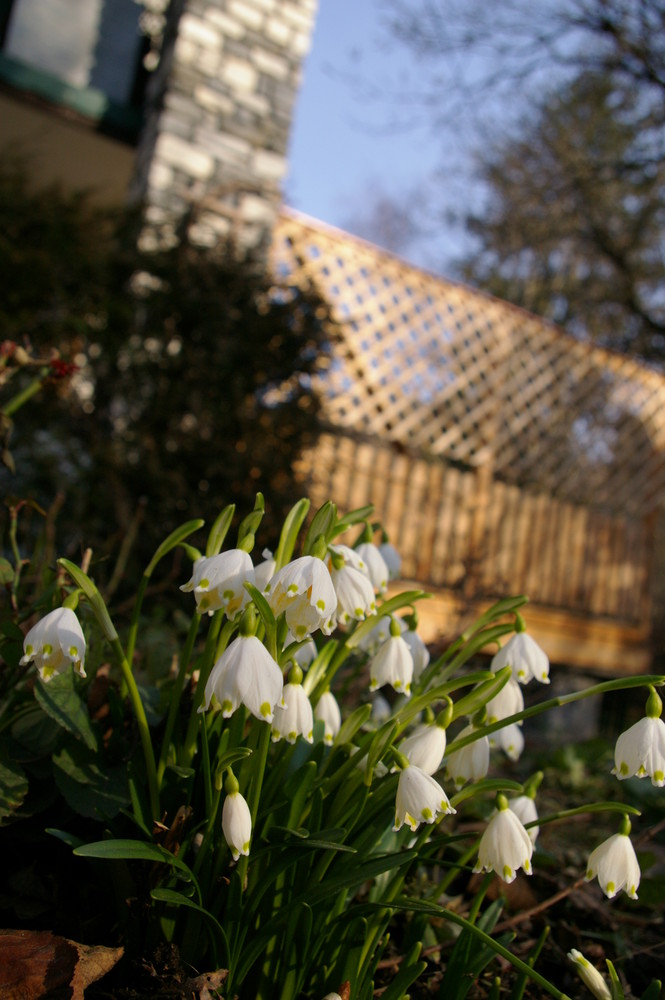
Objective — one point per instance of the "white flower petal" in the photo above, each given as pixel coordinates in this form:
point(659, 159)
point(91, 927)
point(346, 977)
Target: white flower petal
point(236, 824)
point(525, 657)
point(505, 846)
point(640, 751)
point(420, 799)
point(615, 864)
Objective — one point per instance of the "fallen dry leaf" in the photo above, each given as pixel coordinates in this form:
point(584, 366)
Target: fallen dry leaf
point(33, 964)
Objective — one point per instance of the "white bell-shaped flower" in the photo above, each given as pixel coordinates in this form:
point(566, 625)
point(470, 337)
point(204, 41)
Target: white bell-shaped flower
point(525, 657)
point(419, 652)
point(505, 846)
point(236, 821)
point(327, 711)
point(304, 590)
point(425, 747)
point(524, 808)
point(355, 593)
point(589, 975)
point(376, 566)
point(420, 799)
point(509, 701)
point(55, 643)
point(392, 663)
point(640, 751)
point(469, 763)
point(615, 863)
point(218, 582)
point(510, 740)
point(245, 674)
point(392, 559)
point(295, 717)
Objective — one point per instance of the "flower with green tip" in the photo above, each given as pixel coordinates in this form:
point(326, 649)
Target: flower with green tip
point(469, 763)
point(294, 717)
point(615, 863)
point(219, 581)
point(303, 590)
point(425, 747)
point(327, 711)
point(640, 751)
point(505, 846)
point(525, 809)
point(376, 565)
point(420, 799)
point(55, 643)
point(350, 577)
point(510, 740)
point(245, 674)
point(589, 975)
point(419, 651)
point(236, 821)
point(392, 663)
point(525, 657)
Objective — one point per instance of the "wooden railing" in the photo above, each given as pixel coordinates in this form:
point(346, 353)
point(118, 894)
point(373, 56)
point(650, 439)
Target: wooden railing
point(503, 455)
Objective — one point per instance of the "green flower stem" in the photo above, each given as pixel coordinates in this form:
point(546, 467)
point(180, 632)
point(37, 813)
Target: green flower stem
point(176, 694)
point(134, 625)
point(595, 807)
point(142, 723)
point(620, 684)
point(25, 395)
point(257, 763)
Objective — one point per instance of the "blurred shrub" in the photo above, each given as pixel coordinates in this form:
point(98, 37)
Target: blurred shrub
point(193, 382)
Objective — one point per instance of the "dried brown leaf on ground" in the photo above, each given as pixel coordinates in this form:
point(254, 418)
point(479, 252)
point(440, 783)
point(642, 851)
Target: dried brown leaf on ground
point(33, 964)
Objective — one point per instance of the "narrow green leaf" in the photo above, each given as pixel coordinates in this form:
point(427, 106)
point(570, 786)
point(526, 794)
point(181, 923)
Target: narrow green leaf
point(174, 898)
point(175, 538)
point(83, 581)
point(653, 990)
point(90, 790)
point(322, 524)
point(407, 975)
point(250, 525)
point(290, 530)
point(131, 850)
point(67, 838)
point(62, 703)
point(219, 530)
point(262, 606)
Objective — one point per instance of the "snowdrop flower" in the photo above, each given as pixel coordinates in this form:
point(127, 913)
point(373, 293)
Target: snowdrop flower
point(505, 846)
point(510, 740)
point(55, 643)
point(355, 593)
point(327, 711)
point(392, 663)
point(218, 582)
point(615, 864)
point(376, 566)
point(236, 820)
point(264, 571)
point(304, 590)
point(420, 799)
point(640, 750)
point(245, 674)
point(294, 717)
point(470, 763)
point(509, 701)
point(392, 559)
point(425, 747)
point(378, 634)
point(525, 809)
point(589, 975)
point(525, 657)
point(419, 652)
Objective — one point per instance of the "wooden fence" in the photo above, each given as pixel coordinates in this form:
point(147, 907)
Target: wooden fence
point(502, 455)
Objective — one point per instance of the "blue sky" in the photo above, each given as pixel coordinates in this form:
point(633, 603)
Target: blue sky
point(341, 151)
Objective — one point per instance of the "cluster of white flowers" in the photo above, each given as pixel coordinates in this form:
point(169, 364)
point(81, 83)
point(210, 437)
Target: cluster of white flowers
point(319, 595)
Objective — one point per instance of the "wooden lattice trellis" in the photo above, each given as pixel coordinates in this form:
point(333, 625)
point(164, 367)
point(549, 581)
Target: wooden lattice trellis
point(507, 454)
point(441, 368)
